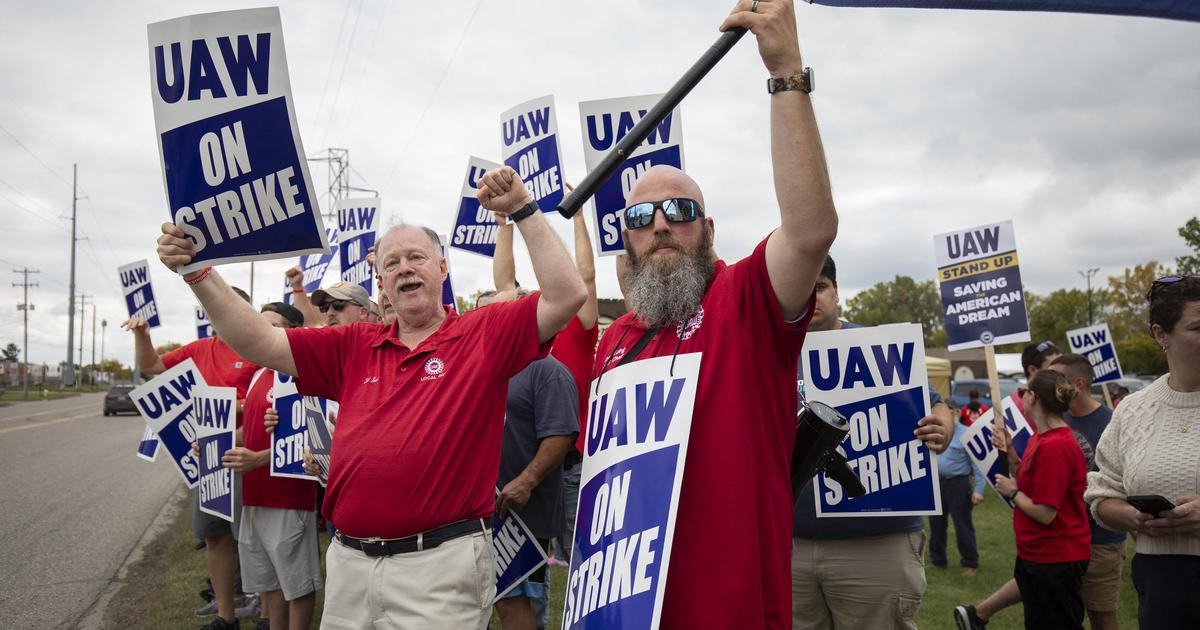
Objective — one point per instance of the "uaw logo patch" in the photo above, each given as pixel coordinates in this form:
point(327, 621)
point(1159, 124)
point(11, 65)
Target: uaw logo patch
point(434, 368)
point(689, 328)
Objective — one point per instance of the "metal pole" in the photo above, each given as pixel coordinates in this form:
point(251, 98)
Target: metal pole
point(1087, 275)
point(25, 307)
point(69, 370)
point(93, 342)
point(103, 336)
point(612, 161)
point(82, 318)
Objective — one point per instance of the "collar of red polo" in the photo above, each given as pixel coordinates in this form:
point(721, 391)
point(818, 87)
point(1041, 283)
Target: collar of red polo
point(391, 334)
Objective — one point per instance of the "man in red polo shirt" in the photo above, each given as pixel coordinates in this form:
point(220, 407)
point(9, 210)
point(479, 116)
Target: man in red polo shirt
point(220, 366)
point(730, 560)
point(413, 468)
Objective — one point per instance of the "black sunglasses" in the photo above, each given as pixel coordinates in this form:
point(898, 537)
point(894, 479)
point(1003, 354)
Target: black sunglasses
point(681, 210)
point(337, 305)
point(1046, 345)
point(1165, 280)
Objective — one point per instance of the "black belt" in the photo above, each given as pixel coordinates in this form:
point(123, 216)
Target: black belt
point(377, 547)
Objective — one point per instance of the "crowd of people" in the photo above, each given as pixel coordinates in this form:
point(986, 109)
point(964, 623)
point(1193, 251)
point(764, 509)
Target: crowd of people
point(444, 418)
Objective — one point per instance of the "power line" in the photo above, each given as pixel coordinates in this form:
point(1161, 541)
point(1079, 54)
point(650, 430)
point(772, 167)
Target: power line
point(437, 86)
point(342, 74)
point(329, 72)
point(387, 7)
point(34, 155)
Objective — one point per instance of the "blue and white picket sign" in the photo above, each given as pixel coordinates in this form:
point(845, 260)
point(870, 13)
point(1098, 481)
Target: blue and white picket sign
point(639, 419)
point(978, 440)
point(358, 220)
point(529, 144)
point(448, 283)
point(876, 378)
point(320, 434)
point(165, 401)
point(1171, 9)
point(516, 554)
point(604, 123)
point(139, 295)
point(314, 266)
point(980, 280)
point(291, 434)
point(215, 412)
point(475, 228)
point(204, 327)
point(1096, 344)
point(234, 168)
point(148, 445)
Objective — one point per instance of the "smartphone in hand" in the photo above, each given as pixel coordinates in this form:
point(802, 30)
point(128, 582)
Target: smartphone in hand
point(1153, 504)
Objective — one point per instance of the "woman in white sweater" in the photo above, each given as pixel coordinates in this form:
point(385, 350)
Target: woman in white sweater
point(1152, 447)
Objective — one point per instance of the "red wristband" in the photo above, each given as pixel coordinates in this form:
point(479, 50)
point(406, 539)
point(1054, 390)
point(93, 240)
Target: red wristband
point(298, 291)
point(198, 278)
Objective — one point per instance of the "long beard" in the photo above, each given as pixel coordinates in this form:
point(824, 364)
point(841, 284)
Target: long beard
point(665, 292)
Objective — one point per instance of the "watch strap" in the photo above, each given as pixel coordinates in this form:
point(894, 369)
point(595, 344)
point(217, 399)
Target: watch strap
point(802, 82)
point(524, 211)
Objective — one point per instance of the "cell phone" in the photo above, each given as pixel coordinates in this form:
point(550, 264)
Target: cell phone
point(1154, 504)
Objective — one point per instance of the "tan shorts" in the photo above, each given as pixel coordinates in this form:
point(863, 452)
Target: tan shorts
point(449, 587)
point(1102, 582)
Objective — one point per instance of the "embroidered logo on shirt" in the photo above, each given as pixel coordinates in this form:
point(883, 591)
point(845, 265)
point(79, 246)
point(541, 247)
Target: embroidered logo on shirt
point(689, 328)
point(434, 368)
point(370, 379)
point(617, 355)
point(238, 365)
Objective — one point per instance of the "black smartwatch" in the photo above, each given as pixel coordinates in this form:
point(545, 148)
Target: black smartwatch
point(524, 211)
point(1013, 496)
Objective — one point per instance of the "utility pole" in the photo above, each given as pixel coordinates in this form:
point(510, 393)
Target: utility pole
point(69, 368)
point(82, 318)
point(103, 336)
point(93, 342)
point(25, 306)
point(1087, 275)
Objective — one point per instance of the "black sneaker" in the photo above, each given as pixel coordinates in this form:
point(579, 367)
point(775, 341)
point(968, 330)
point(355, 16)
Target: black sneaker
point(220, 624)
point(263, 624)
point(966, 618)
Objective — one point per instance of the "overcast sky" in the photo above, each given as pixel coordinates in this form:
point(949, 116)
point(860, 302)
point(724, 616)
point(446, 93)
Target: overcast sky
point(1083, 129)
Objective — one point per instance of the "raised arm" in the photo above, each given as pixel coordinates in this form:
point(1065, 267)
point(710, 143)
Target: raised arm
point(585, 262)
point(502, 192)
point(147, 357)
point(504, 267)
point(232, 317)
point(808, 219)
point(295, 278)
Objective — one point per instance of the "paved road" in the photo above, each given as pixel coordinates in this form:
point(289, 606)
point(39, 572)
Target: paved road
point(74, 501)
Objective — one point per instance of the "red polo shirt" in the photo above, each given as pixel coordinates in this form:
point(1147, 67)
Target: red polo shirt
point(218, 364)
point(1054, 473)
point(417, 443)
point(259, 488)
point(730, 563)
point(575, 347)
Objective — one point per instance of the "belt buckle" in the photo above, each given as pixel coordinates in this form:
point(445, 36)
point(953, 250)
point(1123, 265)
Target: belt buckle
point(374, 546)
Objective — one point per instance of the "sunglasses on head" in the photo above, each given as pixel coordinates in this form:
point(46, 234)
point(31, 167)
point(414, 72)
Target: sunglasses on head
point(1163, 281)
point(337, 305)
point(1046, 345)
point(680, 210)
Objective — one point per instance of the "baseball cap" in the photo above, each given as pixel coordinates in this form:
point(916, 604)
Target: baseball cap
point(342, 291)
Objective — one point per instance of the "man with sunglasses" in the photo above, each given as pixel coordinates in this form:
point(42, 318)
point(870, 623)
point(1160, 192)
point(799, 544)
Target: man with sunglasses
point(343, 304)
point(729, 562)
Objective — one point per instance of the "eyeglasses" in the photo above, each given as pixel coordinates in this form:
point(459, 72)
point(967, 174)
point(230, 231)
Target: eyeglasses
point(337, 305)
point(681, 210)
point(1046, 345)
point(1165, 280)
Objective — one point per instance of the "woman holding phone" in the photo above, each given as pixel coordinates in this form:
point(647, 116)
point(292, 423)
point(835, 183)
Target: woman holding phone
point(1148, 480)
point(1054, 541)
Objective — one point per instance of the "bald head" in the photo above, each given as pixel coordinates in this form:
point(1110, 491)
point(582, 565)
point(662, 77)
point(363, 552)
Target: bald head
point(407, 231)
point(665, 182)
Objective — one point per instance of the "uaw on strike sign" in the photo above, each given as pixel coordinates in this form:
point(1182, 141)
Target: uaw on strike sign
point(639, 418)
point(234, 169)
point(876, 378)
point(980, 280)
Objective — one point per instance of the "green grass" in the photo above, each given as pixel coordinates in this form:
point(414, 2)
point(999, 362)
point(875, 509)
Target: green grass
point(161, 591)
point(15, 394)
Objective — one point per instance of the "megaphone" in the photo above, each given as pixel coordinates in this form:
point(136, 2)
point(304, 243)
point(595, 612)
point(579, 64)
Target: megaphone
point(819, 429)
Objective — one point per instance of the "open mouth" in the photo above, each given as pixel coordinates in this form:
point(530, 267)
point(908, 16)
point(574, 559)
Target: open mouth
point(410, 286)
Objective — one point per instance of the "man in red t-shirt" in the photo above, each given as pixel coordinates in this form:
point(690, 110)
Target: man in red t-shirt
point(278, 548)
point(973, 409)
point(220, 366)
point(574, 347)
point(413, 469)
point(730, 560)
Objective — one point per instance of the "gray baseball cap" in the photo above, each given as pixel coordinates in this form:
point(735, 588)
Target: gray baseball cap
point(342, 291)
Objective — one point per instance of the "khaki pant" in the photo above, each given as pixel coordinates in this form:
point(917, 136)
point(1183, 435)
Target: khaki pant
point(1102, 583)
point(450, 586)
point(871, 583)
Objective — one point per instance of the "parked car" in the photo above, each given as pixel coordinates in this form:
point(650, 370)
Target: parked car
point(960, 391)
point(118, 400)
point(1119, 388)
